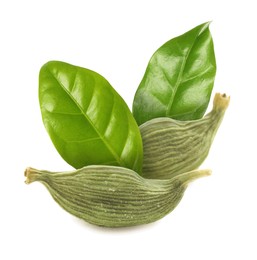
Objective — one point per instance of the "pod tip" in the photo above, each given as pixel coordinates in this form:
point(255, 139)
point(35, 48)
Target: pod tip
point(188, 177)
point(221, 101)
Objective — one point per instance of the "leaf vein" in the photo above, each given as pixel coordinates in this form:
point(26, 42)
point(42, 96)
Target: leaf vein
point(115, 155)
point(179, 79)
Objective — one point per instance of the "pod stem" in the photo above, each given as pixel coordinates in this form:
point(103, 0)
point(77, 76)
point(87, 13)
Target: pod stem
point(188, 177)
point(32, 175)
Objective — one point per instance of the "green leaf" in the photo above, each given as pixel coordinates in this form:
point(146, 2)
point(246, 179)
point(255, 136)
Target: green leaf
point(88, 122)
point(179, 78)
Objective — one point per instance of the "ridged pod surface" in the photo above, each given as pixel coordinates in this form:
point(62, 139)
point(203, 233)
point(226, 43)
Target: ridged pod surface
point(113, 196)
point(172, 147)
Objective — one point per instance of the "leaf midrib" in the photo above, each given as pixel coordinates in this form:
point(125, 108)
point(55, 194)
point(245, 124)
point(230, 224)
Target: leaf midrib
point(180, 76)
point(86, 116)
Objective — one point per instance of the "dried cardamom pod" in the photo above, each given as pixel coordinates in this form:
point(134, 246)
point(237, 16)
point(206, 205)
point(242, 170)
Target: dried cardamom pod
point(172, 147)
point(112, 196)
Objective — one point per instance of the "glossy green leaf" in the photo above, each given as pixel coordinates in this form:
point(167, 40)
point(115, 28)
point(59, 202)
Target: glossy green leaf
point(88, 122)
point(179, 78)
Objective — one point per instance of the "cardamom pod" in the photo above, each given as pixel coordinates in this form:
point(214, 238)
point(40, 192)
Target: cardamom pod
point(113, 196)
point(172, 147)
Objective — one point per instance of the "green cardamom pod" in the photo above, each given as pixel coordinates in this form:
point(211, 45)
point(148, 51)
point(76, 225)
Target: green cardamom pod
point(172, 147)
point(113, 196)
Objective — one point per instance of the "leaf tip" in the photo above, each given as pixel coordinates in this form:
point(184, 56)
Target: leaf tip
point(205, 26)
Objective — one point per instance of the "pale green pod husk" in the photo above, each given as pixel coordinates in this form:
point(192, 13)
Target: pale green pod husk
point(172, 147)
point(113, 196)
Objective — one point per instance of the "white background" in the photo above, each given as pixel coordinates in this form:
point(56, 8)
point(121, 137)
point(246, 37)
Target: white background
point(217, 217)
